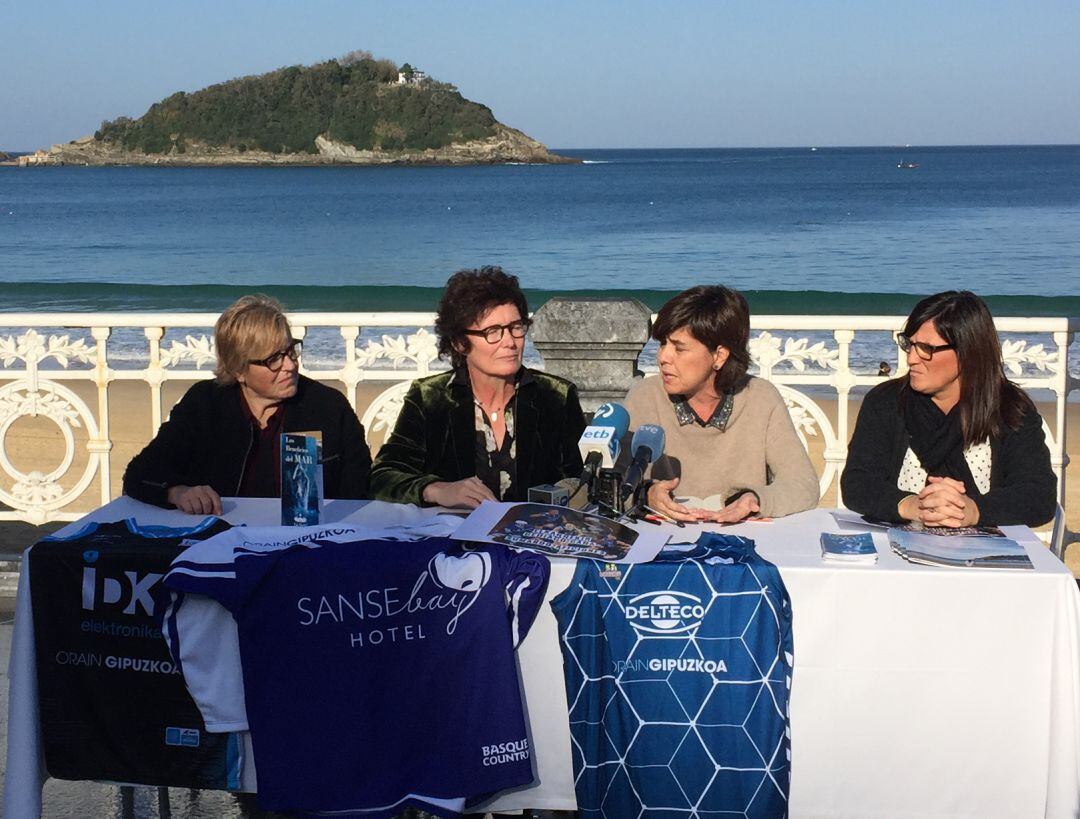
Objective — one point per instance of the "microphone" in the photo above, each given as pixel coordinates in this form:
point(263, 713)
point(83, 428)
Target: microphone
point(599, 443)
point(647, 446)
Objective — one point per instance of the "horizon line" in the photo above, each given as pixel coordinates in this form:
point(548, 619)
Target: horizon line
point(804, 146)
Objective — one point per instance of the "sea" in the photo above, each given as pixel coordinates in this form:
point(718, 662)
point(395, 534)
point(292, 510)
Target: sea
point(808, 230)
point(813, 230)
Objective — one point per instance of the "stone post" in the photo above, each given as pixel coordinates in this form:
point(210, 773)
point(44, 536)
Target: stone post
point(593, 342)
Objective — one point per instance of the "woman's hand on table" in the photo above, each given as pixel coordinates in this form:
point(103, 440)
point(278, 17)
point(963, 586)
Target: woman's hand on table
point(739, 509)
point(944, 502)
point(195, 500)
point(468, 493)
point(659, 499)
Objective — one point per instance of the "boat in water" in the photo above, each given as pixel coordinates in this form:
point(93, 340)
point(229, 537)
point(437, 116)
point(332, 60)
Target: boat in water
point(907, 165)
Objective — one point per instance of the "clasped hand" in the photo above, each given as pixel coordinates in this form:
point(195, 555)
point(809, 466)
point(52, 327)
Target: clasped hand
point(942, 502)
point(660, 499)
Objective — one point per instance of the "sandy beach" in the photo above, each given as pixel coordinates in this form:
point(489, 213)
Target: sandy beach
point(35, 444)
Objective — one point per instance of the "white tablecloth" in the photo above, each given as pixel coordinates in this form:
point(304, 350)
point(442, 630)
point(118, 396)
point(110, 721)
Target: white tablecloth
point(917, 691)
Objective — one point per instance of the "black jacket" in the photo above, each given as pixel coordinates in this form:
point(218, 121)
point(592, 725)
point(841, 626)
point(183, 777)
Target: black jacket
point(434, 438)
point(207, 438)
point(1022, 485)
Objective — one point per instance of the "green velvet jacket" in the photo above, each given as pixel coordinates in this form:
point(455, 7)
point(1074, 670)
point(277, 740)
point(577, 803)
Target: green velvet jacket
point(435, 436)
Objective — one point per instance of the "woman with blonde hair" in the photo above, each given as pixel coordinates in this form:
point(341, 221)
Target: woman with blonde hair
point(224, 437)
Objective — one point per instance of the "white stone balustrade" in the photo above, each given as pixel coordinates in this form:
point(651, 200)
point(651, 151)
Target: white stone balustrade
point(44, 358)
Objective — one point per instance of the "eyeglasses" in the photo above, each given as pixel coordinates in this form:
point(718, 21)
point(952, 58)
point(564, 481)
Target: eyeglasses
point(275, 361)
point(922, 349)
point(494, 333)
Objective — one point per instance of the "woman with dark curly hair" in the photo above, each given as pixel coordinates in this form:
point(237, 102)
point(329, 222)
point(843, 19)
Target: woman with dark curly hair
point(730, 451)
point(953, 442)
point(490, 428)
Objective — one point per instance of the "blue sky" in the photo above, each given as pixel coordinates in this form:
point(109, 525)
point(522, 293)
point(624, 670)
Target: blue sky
point(726, 73)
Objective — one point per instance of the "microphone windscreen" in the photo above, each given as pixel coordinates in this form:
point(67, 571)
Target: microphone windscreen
point(650, 436)
point(612, 415)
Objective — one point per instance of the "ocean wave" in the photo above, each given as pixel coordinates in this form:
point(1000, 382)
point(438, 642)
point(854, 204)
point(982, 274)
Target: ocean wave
point(198, 298)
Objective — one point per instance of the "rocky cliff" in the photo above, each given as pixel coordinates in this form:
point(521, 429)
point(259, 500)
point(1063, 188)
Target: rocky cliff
point(506, 145)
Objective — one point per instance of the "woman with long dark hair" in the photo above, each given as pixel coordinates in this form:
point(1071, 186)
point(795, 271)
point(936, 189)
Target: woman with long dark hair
point(730, 451)
point(953, 442)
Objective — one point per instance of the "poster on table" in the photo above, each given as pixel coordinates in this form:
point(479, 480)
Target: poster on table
point(559, 531)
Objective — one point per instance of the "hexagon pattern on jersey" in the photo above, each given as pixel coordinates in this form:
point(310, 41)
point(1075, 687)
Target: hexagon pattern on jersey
point(677, 679)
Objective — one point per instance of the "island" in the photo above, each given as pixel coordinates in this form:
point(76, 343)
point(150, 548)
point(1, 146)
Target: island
point(355, 110)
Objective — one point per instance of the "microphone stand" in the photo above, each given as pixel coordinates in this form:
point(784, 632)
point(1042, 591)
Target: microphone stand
point(637, 508)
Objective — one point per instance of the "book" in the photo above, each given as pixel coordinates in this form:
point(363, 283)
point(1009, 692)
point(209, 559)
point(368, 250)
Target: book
point(300, 484)
point(848, 548)
point(317, 435)
point(967, 551)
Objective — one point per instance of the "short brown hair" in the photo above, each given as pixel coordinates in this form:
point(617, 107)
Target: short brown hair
point(717, 317)
point(252, 326)
point(468, 295)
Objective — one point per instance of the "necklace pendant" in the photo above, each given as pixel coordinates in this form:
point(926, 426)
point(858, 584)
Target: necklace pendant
point(495, 415)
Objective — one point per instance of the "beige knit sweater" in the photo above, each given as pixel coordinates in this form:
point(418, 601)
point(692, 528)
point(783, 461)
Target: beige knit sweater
point(759, 450)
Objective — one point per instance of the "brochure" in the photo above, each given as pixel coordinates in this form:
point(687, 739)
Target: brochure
point(969, 551)
point(300, 482)
point(560, 531)
point(954, 531)
point(847, 519)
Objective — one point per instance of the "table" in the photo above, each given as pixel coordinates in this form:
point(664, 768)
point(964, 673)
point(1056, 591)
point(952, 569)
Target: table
point(917, 691)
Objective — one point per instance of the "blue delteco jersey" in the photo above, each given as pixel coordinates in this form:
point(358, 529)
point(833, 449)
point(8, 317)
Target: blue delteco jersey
point(677, 678)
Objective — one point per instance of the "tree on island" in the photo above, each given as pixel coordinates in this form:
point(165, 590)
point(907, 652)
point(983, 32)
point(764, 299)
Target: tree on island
point(354, 100)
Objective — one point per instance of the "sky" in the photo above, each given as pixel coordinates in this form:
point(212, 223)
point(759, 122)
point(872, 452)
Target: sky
point(587, 74)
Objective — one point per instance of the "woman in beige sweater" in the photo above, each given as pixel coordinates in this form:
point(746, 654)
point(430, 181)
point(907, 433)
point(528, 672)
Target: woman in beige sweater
point(731, 451)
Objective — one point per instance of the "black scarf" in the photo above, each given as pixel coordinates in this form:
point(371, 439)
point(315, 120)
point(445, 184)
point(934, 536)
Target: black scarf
point(937, 439)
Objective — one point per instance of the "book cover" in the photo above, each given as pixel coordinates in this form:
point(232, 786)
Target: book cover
point(317, 435)
point(299, 480)
point(855, 548)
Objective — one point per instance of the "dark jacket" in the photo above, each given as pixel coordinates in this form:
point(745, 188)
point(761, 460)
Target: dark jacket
point(1022, 485)
point(207, 438)
point(435, 436)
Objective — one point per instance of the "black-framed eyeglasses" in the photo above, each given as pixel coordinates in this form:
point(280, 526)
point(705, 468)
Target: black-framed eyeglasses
point(494, 333)
point(275, 361)
point(922, 349)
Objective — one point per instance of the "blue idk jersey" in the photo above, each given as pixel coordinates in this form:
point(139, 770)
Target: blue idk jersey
point(677, 679)
point(379, 673)
point(113, 703)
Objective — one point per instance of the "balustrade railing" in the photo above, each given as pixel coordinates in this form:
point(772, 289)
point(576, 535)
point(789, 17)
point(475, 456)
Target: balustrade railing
point(60, 374)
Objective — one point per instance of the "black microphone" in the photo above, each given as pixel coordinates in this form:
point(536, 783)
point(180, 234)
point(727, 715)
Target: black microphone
point(647, 446)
